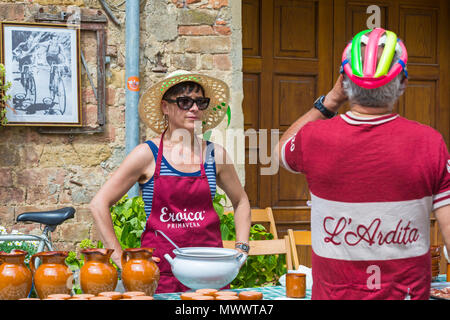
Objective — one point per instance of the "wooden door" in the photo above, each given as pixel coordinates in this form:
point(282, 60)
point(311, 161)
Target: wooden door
point(291, 55)
point(287, 58)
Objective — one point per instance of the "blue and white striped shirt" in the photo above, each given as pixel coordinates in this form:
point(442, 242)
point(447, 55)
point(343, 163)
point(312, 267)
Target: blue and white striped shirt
point(168, 170)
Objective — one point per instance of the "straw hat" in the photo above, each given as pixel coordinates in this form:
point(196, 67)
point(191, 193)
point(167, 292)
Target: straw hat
point(215, 89)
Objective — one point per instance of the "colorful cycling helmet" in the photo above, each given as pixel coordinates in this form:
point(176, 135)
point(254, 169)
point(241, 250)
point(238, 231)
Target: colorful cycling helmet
point(370, 75)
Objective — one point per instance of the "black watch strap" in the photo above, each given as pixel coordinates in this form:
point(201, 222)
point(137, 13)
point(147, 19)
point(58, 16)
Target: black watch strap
point(318, 104)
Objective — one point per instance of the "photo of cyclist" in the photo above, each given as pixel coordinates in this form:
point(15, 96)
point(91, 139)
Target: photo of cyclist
point(24, 52)
point(41, 63)
point(54, 55)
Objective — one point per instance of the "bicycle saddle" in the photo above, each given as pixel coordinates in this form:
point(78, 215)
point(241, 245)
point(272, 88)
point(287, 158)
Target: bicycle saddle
point(51, 218)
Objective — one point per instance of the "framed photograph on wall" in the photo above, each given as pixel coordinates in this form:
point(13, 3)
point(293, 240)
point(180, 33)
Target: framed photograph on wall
point(42, 62)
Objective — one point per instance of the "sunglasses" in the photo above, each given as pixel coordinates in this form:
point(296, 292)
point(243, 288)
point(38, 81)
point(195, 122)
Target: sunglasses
point(185, 103)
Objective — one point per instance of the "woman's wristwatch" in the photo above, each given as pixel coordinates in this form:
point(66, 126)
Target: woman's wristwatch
point(243, 246)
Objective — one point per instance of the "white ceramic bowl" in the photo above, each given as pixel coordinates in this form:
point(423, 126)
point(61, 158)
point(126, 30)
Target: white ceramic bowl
point(205, 267)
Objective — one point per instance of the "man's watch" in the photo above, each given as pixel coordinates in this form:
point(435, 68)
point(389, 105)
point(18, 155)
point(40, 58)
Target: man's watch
point(318, 104)
point(243, 246)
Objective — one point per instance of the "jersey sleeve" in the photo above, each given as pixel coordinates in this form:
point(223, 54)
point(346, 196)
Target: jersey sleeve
point(291, 154)
point(442, 195)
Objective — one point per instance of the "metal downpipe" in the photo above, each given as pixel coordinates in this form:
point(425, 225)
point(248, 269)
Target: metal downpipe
point(132, 75)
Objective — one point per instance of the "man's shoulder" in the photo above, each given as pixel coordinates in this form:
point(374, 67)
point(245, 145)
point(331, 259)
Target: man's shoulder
point(416, 128)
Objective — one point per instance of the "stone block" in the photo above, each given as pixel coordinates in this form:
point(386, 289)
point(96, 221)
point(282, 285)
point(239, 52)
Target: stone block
point(9, 155)
point(110, 96)
point(30, 155)
point(11, 195)
point(117, 78)
point(65, 197)
point(12, 12)
point(217, 4)
point(40, 176)
point(79, 3)
point(184, 61)
point(80, 154)
point(90, 115)
point(207, 44)
point(73, 232)
point(92, 154)
point(222, 62)
point(84, 215)
point(206, 62)
point(196, 17)
point(222, 30)
point(195, 30)
point(6, 177)
point(41, 194)
point(111, 50)
point(6, 215)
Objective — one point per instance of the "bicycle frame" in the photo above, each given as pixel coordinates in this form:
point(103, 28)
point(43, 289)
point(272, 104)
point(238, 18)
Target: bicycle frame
point(44, 239)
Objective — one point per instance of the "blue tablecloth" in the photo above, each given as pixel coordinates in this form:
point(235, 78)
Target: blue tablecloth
point(269, 293)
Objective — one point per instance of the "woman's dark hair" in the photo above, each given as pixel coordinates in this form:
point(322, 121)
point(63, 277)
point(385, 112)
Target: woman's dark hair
point(187, 86)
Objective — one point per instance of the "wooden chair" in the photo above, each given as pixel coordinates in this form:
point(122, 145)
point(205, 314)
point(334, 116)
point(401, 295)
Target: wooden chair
point(267, 247)
point(264, 216)
point(298, 238)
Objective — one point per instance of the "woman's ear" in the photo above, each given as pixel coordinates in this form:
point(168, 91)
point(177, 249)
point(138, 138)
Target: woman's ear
point(164, 107)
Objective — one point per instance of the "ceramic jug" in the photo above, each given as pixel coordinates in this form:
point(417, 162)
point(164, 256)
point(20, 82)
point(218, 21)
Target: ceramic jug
point(15, 278)
point(139, 271)
point(97, 274)
point(52, 276)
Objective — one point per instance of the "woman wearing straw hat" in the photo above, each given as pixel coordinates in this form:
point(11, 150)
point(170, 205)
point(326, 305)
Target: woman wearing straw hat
point(177, 173)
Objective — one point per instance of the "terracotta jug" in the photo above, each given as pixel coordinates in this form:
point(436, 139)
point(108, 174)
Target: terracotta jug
point(15, 277)
point(53, 276)
point(139, 271)
point(97, 274)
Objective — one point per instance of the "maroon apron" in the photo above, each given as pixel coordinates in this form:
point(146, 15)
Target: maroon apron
point(182, 208)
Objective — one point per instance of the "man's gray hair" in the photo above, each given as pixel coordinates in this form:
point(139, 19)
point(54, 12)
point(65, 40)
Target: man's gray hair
point(381, 97)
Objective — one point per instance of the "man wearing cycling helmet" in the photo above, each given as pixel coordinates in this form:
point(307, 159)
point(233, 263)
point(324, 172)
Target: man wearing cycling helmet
point(374, 178)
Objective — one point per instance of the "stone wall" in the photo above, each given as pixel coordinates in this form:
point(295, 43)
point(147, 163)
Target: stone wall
point(48, 171)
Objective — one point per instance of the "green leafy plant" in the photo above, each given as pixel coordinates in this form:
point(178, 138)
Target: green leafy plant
point(4, 97)
point(129, 220)
point(257, 270)
point(7, 246)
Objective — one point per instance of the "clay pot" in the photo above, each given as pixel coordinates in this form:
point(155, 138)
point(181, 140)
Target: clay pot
point(224, 293)
point(207, 292)
point(139, 271)
point(83, 296)
point(97, 274)
point(111, 294)
point(131, 294)
point(15, 278)
point(227, 297)
point(189, 295)
point(53, 276)
point(59, 296)
point(100, 298)
point(142, 298)
point(250, 295)
point(201, 297)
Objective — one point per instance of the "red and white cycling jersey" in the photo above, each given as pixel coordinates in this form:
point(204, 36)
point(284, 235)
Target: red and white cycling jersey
point(373, 184)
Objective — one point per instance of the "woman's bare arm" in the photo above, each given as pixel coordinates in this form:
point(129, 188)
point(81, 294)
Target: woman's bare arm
point(228, 181)
point(128, 173)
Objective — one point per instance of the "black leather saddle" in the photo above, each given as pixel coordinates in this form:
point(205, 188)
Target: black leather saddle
point(51, 218)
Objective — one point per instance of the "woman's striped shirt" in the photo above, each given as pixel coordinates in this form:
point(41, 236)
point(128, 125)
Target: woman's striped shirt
point(168, 170)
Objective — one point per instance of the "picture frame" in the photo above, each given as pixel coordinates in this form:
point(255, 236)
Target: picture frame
point(42, 62)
